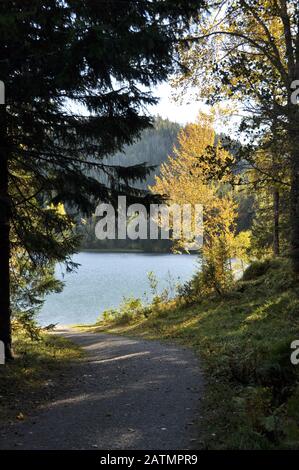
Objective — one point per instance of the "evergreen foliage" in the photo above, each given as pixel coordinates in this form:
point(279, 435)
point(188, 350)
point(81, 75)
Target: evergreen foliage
point(76, 75)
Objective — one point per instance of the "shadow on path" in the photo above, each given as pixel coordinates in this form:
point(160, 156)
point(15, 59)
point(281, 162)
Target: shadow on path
point(125, 394)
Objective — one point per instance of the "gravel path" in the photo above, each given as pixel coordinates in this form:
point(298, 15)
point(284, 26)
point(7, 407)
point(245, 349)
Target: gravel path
point(125, 394)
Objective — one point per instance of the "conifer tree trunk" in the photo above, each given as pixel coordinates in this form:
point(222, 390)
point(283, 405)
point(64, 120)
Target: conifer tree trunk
point(294, 193)
point(295, 211)
point(293, 134)
point(276, 248)
point(5, 321)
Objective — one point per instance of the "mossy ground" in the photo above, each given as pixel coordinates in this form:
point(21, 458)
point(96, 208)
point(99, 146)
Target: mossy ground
point(252, 389)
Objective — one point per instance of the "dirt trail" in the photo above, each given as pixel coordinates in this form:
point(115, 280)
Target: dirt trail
point(126, 394)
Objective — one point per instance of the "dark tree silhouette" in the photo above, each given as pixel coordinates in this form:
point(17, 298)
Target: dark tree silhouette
point(76, 74)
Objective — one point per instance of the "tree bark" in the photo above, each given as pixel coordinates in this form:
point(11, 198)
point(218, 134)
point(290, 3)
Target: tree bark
point(293, 131)
point(5, 320)
point(294, 193)
point(295, 212)
point(276, 247)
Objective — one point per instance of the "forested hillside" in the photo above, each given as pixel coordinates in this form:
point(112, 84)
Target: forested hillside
point(153, 148)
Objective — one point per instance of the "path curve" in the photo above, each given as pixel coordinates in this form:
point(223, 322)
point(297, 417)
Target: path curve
point(127, 394)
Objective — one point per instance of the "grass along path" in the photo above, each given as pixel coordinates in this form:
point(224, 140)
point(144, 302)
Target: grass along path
point(40, 370)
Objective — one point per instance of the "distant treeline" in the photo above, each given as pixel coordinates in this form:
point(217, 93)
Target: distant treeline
point(153, 148)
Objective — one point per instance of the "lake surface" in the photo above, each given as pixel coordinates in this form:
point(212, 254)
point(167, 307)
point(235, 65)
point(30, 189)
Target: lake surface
point(104, 279)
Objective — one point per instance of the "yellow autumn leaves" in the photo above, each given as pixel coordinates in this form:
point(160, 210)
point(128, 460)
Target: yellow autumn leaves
point(199, 172)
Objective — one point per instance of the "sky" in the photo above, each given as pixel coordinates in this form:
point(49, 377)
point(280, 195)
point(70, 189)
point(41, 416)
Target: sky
point(167, 108)
point(187, 111)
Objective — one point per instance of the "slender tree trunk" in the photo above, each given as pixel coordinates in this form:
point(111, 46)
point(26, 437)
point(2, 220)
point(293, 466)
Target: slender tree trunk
point(294, 193)
point(295, 211)
point(276, 248)
point(5, 322)
point(293, 131)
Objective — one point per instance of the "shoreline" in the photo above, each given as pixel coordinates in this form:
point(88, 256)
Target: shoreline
point(99, 250)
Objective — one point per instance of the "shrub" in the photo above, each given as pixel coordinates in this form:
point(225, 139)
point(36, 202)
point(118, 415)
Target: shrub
point(203, 284)
point(277, 370)
point(130, 309)
point(108, 315)
point(258, 268)
point(25, 323)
